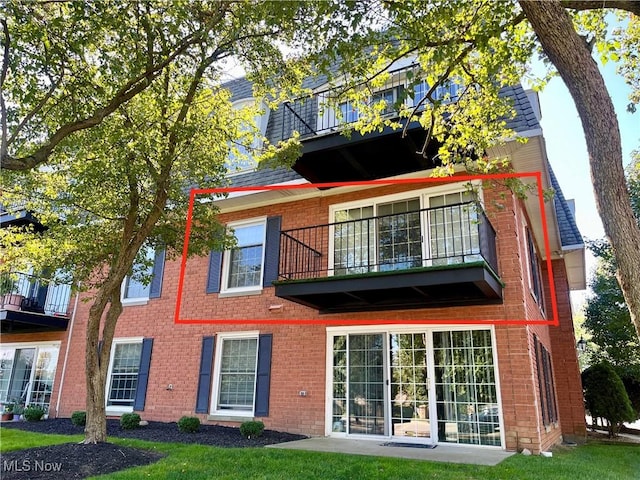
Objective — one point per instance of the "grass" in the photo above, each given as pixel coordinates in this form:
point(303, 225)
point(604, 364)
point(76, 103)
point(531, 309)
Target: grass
point(594, 461)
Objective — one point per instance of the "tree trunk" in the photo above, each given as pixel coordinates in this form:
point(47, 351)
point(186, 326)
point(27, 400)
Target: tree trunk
point(572, 58)
point(97, 359)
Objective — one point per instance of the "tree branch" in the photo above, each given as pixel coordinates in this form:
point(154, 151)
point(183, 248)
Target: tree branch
point(628, 6)
point(123, 95)
point(3, 75)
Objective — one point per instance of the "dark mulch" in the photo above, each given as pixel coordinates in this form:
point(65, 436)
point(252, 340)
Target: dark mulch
point(81, 461)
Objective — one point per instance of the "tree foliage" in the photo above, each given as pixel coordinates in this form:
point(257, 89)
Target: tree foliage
point(112, 112)
point(605, 396)
point(484, 46)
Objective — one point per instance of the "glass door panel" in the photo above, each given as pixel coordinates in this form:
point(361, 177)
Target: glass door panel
point(399, 235)
point(453, 229)
point(465, 386)
point(353, 241)
point(409, 385)
point(43, 377)
point(21, 375)
point(366, 384)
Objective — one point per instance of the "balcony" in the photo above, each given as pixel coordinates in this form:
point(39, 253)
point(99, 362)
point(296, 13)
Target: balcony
point(18, 216)
point(432, 257)
point(31, 303)
point(329, 156)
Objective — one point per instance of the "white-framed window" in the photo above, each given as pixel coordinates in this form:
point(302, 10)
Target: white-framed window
point(241, 156)
point(136, 287)
point(243, 265)
point(235, 366)
point(535, 277)
point(435, 226)
point(122, 378)
point(27, 373)
point(446, 92)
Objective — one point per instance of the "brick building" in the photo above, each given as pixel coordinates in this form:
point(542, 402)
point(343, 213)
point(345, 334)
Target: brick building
point(386, 311)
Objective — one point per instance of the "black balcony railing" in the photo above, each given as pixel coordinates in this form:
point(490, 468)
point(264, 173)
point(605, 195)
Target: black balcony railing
point(327, 111)
point(430, 237)
point(33, 293)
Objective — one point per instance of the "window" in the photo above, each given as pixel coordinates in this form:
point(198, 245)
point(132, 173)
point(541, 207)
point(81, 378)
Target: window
point(27, 372)
point(545, 384)
point(123, 374)
point(243, 264)
point(534, 269)
point(446, 92)
point(241, 156)
point(236, 374)
point(396, 232)
point(136, 287)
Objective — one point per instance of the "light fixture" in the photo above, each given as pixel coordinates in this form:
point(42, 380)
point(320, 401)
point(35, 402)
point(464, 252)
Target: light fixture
point(581, 345)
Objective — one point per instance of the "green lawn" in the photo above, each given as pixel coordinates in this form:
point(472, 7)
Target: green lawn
point(595, 461)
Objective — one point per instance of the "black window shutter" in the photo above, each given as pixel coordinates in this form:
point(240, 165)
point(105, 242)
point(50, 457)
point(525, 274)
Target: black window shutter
point(204, 377)
point(213, 278)
point(263, 376)
point(158, 269)
point(272, 251)
point(143, 374)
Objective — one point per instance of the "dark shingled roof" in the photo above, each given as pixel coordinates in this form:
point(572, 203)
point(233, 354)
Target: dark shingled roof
point(569, 233)
point(524, 120)
point(264, 176)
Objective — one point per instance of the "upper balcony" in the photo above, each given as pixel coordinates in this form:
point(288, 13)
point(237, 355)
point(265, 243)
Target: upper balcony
point(433, 257)
point(17, 215)
point(32, 303)
point(329, 156)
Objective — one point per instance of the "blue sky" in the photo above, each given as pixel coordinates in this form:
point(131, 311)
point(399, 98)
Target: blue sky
point(567, 151)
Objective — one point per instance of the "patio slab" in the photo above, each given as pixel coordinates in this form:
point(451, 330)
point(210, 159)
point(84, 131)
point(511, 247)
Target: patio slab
point(441, 453)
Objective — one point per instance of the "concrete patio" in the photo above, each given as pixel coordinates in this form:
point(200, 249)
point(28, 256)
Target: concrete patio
point(441, 453)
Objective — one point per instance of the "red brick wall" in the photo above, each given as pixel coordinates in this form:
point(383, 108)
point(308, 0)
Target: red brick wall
point(299, 352)
point(566, 370)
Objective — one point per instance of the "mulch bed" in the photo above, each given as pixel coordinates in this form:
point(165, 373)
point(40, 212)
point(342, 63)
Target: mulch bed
point(72, 460)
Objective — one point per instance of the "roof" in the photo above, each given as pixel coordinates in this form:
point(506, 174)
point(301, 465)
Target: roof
point(569, 233)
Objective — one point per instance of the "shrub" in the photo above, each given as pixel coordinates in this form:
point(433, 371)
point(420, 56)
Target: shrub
point(189, 424)
point(33, 413)
point(631, 384)
point(79, 418)
point(251, 429)
point(606, 397)
point(129, 421)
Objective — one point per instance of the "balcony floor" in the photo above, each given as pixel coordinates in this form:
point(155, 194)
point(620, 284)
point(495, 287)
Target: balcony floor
point(429, 287)
point(337, 158)
point(18, 321)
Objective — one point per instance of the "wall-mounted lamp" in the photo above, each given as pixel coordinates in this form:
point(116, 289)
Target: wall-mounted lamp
point(273, 308)
point(581, 345)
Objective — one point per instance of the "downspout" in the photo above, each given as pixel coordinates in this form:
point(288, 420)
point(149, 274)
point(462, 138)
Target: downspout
point(66, 353)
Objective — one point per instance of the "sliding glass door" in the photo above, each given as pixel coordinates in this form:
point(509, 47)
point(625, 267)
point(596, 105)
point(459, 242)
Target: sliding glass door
point(419, 385)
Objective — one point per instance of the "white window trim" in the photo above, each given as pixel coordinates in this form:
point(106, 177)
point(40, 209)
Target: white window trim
point(386, 329)
point(260, 120)
point(117, 410)
point(37, 346)
point(226, 261)
point(213, 408)
point(538, 299)
point(133, 301)
point(422, 194)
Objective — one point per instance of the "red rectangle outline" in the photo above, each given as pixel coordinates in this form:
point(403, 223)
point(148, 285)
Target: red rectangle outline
point(458, 178)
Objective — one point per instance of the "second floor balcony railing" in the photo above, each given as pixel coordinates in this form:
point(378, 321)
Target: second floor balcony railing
point(33, 293)
point(438, 237)
point(325, 111)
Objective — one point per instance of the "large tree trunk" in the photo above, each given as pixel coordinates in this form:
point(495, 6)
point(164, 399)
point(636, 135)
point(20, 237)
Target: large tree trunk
point(97, 361)
point(580, 73)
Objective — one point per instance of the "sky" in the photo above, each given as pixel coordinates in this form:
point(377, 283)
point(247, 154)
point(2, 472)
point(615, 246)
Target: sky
point(567, 151)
